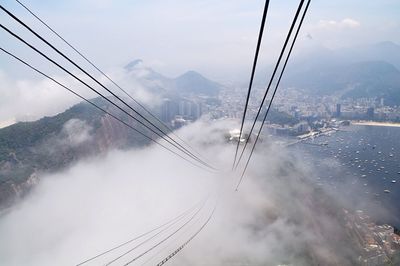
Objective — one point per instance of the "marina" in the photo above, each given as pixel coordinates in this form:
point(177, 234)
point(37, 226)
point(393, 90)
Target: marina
point(358, 158)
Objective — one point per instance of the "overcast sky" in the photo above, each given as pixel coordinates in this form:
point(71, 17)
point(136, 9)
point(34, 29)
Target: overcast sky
point(214, 37)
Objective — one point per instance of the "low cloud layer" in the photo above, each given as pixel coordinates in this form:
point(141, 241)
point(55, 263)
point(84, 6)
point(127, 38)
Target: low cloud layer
point(30, 99)
point(276, 217)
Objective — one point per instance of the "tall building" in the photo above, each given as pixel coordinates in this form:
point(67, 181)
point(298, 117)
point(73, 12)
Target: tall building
point(190, 109)
point(338, 110)
point(370, 113)
point(169, 110)
point(185, 107)
point(196, 110)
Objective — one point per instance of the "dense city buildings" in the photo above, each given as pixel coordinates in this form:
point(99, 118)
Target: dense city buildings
point(303, 106)
point(378, 244)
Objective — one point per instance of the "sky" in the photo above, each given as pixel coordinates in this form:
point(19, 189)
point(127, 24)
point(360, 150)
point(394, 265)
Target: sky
point(216, 38)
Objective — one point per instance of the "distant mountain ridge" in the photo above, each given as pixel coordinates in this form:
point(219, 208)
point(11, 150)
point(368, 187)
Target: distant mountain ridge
point(363, 72)
point(383, 51)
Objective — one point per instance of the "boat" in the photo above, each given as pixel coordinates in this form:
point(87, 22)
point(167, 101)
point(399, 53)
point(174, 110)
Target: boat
point(393, 181)
point(386, 191)
point(363, 175)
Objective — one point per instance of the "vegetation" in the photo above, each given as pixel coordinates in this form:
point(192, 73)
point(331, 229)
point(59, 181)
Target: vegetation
point(280, 118)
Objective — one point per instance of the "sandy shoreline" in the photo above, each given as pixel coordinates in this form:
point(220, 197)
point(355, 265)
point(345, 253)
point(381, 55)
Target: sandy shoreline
point(377, 124)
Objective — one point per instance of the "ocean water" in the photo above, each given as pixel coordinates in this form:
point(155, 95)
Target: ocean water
point(361, 163)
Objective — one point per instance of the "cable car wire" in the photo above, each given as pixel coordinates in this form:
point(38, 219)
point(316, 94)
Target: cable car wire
point(159, 243)
point(101, 109)
point(164, 136)
point(171, 221)
point(105, 75)
point(251, 77)
point(271, 79)
point(104, 97)
point(273, 95)
point(166, 259)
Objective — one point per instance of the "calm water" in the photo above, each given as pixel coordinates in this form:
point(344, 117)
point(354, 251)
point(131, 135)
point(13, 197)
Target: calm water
point(360, 162)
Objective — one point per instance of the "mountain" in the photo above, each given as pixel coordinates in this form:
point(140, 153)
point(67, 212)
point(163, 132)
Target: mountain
point(194, 83)
point(139, 70)
point(190, 82)
point(134, 64)
point(382, 51)
point(52, 143)
point(367, 71)
point(372, 79)
point(316, 54)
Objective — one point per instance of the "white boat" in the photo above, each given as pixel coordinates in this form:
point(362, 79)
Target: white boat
point(393, 181)
point(386, 191)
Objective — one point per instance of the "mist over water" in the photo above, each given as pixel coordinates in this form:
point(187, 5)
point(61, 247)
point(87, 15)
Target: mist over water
point(278, 216)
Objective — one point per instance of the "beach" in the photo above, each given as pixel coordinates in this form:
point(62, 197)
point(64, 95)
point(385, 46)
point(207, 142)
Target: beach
point(374, 123)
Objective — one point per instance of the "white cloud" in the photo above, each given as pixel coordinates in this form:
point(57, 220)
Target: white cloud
point(338, 33)
point(100, 202)
point(347, 23)
point(26, 100)
point(30, 99)
point(351, 23)
point(76, 132)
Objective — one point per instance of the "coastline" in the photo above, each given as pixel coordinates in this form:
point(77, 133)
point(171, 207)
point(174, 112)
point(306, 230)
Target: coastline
point(376, 124)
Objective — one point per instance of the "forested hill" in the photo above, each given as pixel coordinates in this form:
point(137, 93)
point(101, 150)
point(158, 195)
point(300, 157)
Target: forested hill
point(51, 143)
